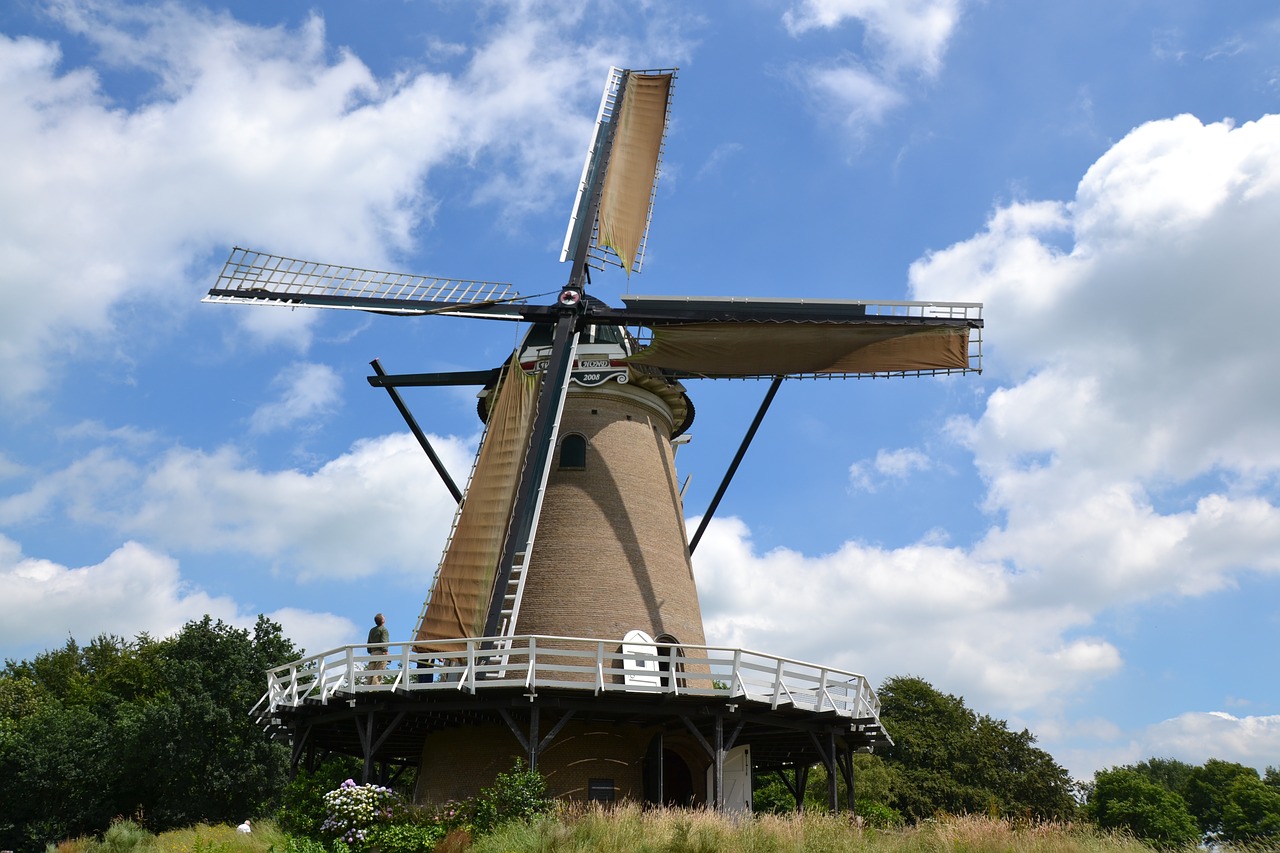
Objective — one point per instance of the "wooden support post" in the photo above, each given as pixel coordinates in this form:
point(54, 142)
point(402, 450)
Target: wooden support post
point(833, 783)
point(719, 764)
point(533, 737)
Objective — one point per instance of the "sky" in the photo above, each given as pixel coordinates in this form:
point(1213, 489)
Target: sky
point(1084, 540)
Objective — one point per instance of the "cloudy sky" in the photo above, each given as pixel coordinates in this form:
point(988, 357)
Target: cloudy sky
point(1083, 540)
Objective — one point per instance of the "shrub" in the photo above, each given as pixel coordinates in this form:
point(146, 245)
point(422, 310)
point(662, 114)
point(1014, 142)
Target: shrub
point(517, 795)
point(355, 810)
point(405, 838)
point(124, 836)
point(878, 815)
point(302, 808)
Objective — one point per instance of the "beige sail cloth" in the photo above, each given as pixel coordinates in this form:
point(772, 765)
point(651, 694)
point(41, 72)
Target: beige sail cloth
point(771, 349)
point(633, 165)
point(459, 602)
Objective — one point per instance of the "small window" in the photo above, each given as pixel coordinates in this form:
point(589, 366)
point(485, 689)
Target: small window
point(601, 790)
point(573, 452)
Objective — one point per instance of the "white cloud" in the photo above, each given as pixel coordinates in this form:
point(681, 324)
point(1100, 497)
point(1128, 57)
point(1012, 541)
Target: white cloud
point(888, 464)
point(910, 33)
point(966, 624)
point(306, 392)
point(901, 39)
point(377, 508)
point(135, 589)
point(313, 632)
point(854, 95)
point(1195, 737)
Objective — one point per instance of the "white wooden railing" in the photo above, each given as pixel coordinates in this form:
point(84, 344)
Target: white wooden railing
point(597, 666)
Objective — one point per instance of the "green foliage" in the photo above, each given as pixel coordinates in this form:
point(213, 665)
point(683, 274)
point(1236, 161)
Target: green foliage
point(949, 759)
point(301, 844)
point(1125, 799)
point(1207, 791)
point(520, 795)
point(1251, 811)
point(877, 815)
point(124, 836)
point(302, 810)
point(153, 727)
point(406, 838)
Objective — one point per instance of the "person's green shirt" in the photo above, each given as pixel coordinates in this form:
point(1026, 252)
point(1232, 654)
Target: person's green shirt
point(378, 634)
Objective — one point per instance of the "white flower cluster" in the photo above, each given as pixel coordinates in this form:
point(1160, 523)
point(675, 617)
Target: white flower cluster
point(352, 810)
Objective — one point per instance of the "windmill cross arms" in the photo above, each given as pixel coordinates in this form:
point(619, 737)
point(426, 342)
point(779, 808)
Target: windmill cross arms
point(257, 277)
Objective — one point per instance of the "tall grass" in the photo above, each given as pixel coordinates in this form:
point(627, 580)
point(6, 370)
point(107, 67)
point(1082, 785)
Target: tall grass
point(127, 836)
point(630, 829)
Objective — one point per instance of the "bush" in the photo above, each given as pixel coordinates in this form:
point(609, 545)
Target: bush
point(405, 838)
point(124, 836)
point(878, 815)
point(517, 795)
point(302, 810)
point(355, 810)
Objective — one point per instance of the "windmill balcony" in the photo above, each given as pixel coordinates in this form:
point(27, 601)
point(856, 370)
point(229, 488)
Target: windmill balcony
point(591, 666)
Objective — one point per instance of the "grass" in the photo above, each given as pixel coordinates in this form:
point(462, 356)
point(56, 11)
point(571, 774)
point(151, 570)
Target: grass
point(126, 836)
point(629, 829)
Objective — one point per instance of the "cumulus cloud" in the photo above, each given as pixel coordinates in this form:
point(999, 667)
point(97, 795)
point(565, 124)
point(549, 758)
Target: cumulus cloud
point(376, 508)
point(913, 34)
point(901, 40)
point(919, 609)
point(306, 392)
point(888, 465)
point(1198, 736)
point(135, 589)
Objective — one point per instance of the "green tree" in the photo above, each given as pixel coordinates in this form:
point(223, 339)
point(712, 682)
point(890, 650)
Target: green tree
point(950, 759)
point(1167, 772)
point(1124, 799)
point(157, 727)
point(1206, 791)
point(1251, 811)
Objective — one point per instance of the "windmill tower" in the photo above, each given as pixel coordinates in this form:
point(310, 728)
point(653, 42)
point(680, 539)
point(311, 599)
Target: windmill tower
point(568, 565)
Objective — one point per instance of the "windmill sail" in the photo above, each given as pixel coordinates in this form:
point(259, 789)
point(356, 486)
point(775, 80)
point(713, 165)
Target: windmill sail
point(739, 338)
point(614, 203)
point(627, 195)
point(460, 599)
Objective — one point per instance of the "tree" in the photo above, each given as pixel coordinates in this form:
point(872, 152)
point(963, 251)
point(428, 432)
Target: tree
point(1124, 799)
point(1207, 791)
point(950, 759)
point(1251, 811)
point(157, 727)
point(1169, 773)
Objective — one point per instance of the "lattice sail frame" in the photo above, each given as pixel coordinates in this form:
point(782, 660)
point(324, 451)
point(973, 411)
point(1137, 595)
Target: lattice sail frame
point(249, 274)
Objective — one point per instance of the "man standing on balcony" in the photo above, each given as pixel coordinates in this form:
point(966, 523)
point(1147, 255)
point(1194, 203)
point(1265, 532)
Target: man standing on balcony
point(378, 635)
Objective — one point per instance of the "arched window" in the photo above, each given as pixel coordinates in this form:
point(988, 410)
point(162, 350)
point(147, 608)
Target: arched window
point(573, 452)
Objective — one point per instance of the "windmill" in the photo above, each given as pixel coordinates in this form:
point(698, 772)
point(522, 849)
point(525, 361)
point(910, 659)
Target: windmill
point(572, 523)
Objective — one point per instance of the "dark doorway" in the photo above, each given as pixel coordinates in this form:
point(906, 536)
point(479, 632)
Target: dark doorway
point(677, 780)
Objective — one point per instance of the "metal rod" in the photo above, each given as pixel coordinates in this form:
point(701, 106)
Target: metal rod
point(420, 435)
point(737, 460)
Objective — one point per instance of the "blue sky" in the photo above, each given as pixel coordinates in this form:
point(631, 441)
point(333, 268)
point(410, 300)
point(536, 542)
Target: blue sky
point(1083, 540)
